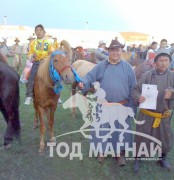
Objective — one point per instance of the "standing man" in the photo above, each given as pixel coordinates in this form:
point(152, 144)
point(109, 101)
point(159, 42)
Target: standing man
point(39, 49)
point(151, 53)
point(17, 55)
point(4, 48)
point(102, 48)
point(163, 44)
point(117, 79)
point(157, 122)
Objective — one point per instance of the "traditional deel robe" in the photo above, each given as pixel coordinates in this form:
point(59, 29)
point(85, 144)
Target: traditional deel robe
point(118, 81)
point(17, 55)
point(163, 132)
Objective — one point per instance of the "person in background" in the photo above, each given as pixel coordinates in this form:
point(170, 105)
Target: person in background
point(140, 51)
point(172, 55)
point(55, 43)
point(171, 49)
point(102, 48)
point(163, 44)
point(133, 48)
point(151, 53)
point(4, 49)
point(39, 50)
point(16, 52)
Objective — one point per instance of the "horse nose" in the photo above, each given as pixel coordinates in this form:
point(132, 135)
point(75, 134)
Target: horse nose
point(67, 80)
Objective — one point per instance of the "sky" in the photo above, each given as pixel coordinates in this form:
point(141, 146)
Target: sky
point(147, 16)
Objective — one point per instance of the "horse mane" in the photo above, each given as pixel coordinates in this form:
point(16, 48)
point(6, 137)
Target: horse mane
point(65, 46)
point(43, 71)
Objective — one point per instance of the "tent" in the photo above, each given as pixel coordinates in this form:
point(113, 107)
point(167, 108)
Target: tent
point(136, 37)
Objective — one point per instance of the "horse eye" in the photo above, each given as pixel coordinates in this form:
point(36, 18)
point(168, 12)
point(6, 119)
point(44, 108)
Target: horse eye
point(55, 60)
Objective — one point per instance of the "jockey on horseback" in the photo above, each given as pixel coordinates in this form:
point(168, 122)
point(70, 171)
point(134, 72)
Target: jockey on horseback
point(40, 49)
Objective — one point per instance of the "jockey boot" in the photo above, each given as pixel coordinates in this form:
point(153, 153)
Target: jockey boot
point(28, 101)
point(164, 163)
point(100, 158)
point(59, 101)
point(137, 163)
point(121, 161)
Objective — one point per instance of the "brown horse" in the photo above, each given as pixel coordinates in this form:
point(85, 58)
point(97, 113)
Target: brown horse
point(77, 53)
point(128, 55)
point(9, 101)
point(82, 67)
point(45, 88)
point(91, 55)
point(142, 68)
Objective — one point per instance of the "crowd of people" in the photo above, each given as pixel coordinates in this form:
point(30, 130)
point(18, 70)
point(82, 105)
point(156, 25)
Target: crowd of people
point(117, 79)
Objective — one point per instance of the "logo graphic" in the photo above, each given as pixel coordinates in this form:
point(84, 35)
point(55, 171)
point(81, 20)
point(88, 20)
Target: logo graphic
point(97, 112)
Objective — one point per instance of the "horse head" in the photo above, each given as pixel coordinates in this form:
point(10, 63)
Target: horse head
point(78, 53)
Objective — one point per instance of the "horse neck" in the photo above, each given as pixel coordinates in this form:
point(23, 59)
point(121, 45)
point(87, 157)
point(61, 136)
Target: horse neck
point(44, 74)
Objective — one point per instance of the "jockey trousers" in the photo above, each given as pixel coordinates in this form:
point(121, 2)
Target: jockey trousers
point(30, 84)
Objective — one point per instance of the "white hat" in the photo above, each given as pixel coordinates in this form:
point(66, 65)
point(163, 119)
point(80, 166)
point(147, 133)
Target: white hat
point(31, 37)
point(161, 52)
point(54, 37)
point(101, 42)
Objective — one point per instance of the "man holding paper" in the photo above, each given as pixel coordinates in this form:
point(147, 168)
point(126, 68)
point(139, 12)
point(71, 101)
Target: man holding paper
point(155, 97)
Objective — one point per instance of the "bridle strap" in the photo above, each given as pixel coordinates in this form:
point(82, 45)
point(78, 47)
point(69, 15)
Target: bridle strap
point(63, 69)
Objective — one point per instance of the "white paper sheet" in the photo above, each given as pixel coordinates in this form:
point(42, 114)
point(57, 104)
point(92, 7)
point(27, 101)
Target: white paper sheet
point(150, 92)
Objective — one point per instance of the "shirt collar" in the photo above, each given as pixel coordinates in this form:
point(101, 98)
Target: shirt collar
point(157, 72)
point(114, 63)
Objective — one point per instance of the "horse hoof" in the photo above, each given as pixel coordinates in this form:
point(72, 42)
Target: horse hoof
point(6, 147)
point(41, 152)
point(53, 140)
point(73, 116)
point(35, 126)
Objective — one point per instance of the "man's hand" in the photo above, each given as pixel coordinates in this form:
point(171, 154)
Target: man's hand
point(141, 99)
point(168, 94)
point(80, 85)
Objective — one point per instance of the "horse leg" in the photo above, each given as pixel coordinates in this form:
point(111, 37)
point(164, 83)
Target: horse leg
point(73, 91)
point(51, 124)
point(42, 129)
point(36, 121)
point(8, 137)
point(36, 117)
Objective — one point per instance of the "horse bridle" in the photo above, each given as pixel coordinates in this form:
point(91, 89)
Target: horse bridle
point(63, 69)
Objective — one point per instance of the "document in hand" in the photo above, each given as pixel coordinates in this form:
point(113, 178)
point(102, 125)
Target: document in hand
point(150, 92)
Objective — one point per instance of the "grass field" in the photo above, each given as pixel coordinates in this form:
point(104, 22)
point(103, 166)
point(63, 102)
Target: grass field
point(23, 162)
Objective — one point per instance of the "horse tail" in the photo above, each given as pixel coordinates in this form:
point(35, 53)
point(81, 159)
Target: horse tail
point(139, 122)
point(16, 122)
point(132, 114)
point(64, 45)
